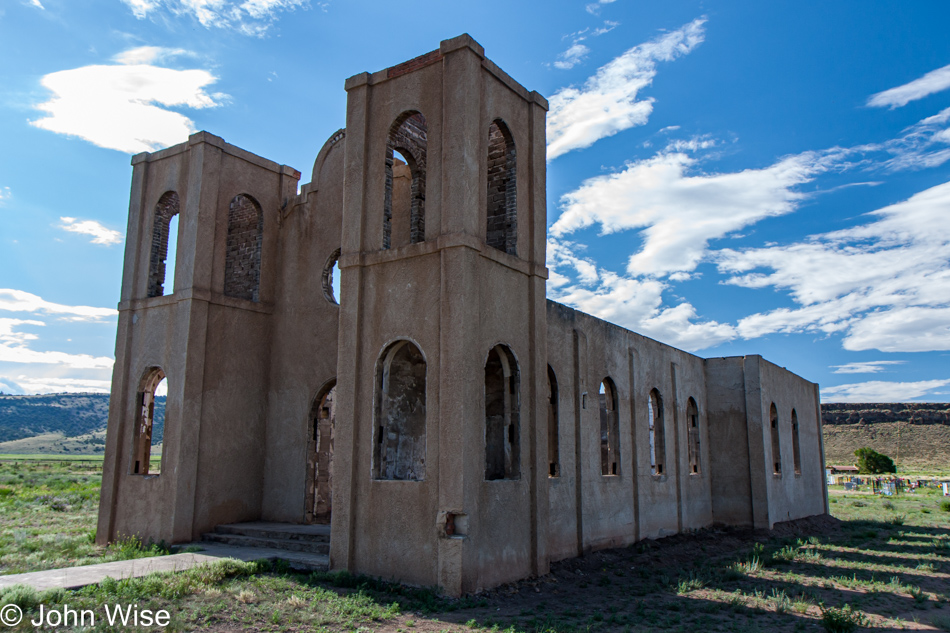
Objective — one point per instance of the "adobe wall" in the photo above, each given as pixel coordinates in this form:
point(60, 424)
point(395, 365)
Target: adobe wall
point(213, 349)
point(454, 298)
point(793, 495)
point(587, 509)
point(303, 358)
point(746, 490)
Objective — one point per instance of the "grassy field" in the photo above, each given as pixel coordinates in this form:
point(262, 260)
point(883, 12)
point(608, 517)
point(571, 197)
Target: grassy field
point(48, 516)
point(883, 563)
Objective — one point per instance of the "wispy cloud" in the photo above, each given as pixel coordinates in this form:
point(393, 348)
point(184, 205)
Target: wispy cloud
point(249, 17)
point(923, 145)
point(28, 365)
point(120, 107)
point(633, 303)
point(884, 284)
point(149, 55)
point(20, 301)
point(607, 102)
point(37, 4)
point(14, 349)
point(881, 391)
point(867, 367)
point(678, 212)
point(100, 234)
point(594, 7)
point(933, 82)
point(577, 52)
point(571, 57)
point(4, 195)
point(25, 384)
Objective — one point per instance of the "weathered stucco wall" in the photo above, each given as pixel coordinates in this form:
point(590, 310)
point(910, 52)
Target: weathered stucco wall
point(447, 475)
point(635, 503)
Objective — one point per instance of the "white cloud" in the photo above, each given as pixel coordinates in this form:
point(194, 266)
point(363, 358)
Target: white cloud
point(19, 301)
point(250, 17)
point(867, 367)
point(921, 146)
point(13, 349)
point(119, 107)
point(26, 369)
point(141, 8)
point(37, 4)
point(635, 304)
point(880, 391)
point(571, 57)
point(678, 213)
point(4, 194)
point(607, 102)
point(933, 82)
point(23, 384)
point(594, 7)
point(884, 284)
point(149, 55)
point(100, 234)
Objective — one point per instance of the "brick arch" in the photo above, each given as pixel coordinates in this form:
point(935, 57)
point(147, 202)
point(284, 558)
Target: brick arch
point(408, 136)
point(167, 208)
point(242, 264)
point(502, 199)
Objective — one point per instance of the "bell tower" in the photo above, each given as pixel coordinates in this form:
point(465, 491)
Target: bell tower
point(442, 372)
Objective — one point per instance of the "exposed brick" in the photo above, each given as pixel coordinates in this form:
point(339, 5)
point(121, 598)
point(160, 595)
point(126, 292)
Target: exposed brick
point(407, 136)
point(242, 264)
point(165, 210)
point(502, 229)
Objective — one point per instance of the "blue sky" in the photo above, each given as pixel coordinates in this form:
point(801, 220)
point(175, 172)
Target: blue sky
point(727, 177)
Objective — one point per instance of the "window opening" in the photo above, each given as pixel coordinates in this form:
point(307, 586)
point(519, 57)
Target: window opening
point(796, 444)
point(554, 465)
point(502, 198)
point(609, 429)
point(405, 167)
point(242, 266)
point(502, 415)
point(148, 437)
point(692, 421)
point(776, 443)
point(657, 433)
point(164, 246)
point(400, 446)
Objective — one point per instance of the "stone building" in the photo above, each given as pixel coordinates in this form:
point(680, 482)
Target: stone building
point(451, 425)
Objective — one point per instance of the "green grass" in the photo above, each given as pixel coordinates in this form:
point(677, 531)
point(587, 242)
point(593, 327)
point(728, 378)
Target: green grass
point(872, 571)
point(48, 513)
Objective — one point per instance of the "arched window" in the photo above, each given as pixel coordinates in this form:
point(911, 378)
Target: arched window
point(776, 443)
point(796, 444)
point(609, 429)
point(319, 501)
point(657, 434)
point(242, 264)
point(331, 278)
point(502, 415)
point(554, 464)
point(400, 447)
point(404, 213)
point(149, 422)
point(502, 232)
point(692, 428)
point(163, 229)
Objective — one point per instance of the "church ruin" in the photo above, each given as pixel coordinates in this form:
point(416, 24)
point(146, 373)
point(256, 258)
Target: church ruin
point(451, 425)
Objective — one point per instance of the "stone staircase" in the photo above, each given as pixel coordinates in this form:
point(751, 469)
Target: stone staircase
point(304, 547)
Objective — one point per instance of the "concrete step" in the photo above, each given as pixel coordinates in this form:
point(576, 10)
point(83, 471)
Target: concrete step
point(291, 545)
point(306, 561)
point(278, 531)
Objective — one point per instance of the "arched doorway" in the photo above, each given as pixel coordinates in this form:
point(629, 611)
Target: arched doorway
point(319, 501)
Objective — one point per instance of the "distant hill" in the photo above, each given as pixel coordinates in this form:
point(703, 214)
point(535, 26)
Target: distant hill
point(915, 435)
point(57, 422)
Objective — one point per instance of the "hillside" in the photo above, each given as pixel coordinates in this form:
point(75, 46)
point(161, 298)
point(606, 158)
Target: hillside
point(63, 422)
point(915, 435)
